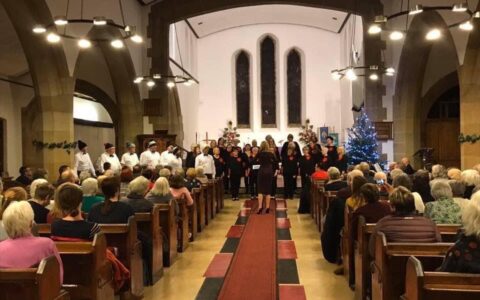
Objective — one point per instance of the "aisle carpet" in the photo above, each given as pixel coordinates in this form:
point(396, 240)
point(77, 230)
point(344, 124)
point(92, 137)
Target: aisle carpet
point(257, 260)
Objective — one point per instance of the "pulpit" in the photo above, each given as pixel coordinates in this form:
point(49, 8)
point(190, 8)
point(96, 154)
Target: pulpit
point(162, 137)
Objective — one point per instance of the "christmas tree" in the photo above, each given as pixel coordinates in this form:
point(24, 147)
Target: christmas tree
point(362, 141)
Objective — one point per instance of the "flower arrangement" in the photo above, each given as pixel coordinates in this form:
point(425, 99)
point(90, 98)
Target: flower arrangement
point(230, 134)
point(307, 134)
point(68, 147)
point(466, 138)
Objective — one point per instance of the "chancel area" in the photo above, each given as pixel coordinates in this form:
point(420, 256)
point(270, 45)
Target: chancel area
point(240, 149)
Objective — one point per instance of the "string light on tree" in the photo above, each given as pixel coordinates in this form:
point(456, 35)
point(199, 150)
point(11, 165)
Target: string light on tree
point(361, 144)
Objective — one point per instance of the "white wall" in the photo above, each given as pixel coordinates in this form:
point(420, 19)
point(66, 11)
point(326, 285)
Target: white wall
point(321, 54)
point(12, 99)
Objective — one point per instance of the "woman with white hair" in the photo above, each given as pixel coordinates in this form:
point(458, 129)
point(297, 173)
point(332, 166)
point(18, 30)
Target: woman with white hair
point(18, 221)
point(464, 256)
point(137, 189)
point(443, 210)
point(90, 194)
point(471, 179)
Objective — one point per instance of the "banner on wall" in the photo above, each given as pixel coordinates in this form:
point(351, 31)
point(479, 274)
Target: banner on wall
point(323, 133)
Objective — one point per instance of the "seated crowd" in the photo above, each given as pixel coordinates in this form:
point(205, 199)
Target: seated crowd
point(76, 205)
point(406, 206)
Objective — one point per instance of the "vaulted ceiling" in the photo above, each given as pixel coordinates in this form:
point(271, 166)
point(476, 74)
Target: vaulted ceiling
point(12, 58)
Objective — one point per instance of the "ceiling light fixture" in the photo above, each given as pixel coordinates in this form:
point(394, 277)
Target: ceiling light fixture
point(433, 34)
point(464, 24)
point(373, 77)
point(150, 83)
point(53, 36)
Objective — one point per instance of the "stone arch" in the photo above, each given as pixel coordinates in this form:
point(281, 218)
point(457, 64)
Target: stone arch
point(51, 121)
point(407, 104)
point(128, 114)
point(469, 91)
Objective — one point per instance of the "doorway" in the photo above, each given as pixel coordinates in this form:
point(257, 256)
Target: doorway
point(442, 128)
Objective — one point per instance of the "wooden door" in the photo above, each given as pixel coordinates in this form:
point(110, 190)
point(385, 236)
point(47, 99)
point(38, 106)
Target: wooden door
point(442, 135)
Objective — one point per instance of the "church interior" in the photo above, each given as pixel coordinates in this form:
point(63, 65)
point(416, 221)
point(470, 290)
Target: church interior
point(240, 149)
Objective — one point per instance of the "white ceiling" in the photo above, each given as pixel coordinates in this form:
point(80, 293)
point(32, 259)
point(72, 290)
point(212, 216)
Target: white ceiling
point(330, 20)
point(12, 58)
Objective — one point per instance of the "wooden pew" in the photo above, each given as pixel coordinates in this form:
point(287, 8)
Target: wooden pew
point(129, 251)
point(208, 203)
point(362, 257)
point(420, 285)
point(388, 268)
point(169, 226)
point(346, 244)
point(199, 199)
point(39, 283)
point(87, 273)
point(192, 220)
point(213, 195)
point(183, 226)
point(221, 189)
point(149, 223)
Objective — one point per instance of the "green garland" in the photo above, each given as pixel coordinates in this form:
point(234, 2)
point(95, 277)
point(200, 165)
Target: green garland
point(468, 138)
point(68, 147)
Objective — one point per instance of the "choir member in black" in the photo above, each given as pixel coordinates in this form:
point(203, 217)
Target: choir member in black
point(342, 161)
point(219, 163)
point(253, 166)
point(254, 143)
point(307, 168)
point(226, 154)
point(315, 150)
point(274, 149)
point(245, 155)
point(290, 170)
point(235, 171)
point(285, 147)
point(332, 155)
point(266, 171)
point(213, 144)
point(190, 161)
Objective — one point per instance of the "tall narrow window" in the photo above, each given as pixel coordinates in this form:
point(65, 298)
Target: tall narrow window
point(242, 74)
point(268, 82)
point(294, 88)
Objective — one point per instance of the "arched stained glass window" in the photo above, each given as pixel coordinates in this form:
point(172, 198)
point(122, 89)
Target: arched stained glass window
point(242, 75)
point(268, 83)
point(294, 88)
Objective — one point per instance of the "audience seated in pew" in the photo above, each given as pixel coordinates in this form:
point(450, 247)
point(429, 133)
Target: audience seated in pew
point(319, 173)
point(72, 225)
point(356, 200)
point(464, 256)
point(404, 225)
point(471, 179)
point(41, 199)
point(11, 195)
point(334, 221)
point(90, 194)
point(137, 189)
point(32, 188)
point(201, 177)
point(405, 181)
point(160, 194)
point(111, 211)
point(335, 181)
point(421, 185)
point(443, 210)
point(179, 191)
point(454, 174)
point(458, 190)
point(191, 179)
point(17, 221)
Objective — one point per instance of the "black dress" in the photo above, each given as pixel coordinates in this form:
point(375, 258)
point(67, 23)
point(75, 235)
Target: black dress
point(219, 166)
point(265, 173)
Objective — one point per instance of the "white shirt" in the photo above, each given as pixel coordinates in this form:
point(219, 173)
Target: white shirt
point(130, 159)
point(149, 159)
point(206, 162)
point(166, 157)
point(175, 163)
point(113, 160)
point(83, 163)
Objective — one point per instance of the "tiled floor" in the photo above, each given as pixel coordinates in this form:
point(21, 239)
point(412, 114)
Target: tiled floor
point(184, 278)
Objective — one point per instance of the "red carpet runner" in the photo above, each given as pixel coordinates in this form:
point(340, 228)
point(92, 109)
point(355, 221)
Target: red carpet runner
point(252, 273)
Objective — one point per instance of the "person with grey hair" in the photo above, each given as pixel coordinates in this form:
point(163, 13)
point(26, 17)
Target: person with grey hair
point(458, 189)
point(335, 182)
point(90, 194)
point(443, 210)
point(137, 189)
point(22, 249)
point(471, 179)
point(130, 158)
point(464, 255)
point(405, 181)
point(439, 173)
